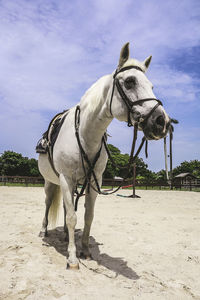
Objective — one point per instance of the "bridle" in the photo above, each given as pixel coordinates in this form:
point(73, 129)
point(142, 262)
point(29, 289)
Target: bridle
point(84, 157)
point(89, 173)
point(130, 104)
point(89, 170)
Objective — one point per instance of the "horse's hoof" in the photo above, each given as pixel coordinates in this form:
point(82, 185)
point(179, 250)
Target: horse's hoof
point(43, 234)
point(72, 266)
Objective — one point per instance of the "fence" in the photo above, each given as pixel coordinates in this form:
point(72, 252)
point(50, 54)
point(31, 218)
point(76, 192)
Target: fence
point(26, 180)
point(160, 185)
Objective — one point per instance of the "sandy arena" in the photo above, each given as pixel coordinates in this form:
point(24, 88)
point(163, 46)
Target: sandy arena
point(145, 248)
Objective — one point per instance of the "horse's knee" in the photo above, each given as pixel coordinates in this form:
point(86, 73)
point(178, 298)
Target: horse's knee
point(71, 219)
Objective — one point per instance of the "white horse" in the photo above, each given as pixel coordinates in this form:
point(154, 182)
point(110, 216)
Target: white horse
point(126, 95)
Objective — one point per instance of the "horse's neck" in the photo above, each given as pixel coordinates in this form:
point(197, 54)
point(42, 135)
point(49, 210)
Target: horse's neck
point(95, 115)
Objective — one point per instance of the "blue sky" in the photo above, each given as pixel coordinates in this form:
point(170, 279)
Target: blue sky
point(52, 51)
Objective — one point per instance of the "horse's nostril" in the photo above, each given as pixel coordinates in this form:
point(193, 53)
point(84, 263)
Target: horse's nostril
point(160, 121)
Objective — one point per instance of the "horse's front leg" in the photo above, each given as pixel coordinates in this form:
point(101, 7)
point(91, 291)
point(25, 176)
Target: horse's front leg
point(90, 199)
point(65, 224)
point(71, 220)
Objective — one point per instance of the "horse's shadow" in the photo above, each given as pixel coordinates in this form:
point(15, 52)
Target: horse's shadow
point(56, 238)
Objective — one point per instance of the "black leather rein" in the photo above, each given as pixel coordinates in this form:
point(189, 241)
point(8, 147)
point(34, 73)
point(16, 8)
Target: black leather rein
point(91, 165)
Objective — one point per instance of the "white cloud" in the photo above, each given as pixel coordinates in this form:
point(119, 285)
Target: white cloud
point(176, 88)
point(51, 51)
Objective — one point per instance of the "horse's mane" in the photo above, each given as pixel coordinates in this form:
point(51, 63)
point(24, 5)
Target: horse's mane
point(95, 96)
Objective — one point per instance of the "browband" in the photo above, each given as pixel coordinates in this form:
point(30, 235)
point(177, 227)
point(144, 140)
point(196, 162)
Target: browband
point(127, 68)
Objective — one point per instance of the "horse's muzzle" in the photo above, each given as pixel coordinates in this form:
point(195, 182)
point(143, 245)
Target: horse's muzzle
point(156, 126)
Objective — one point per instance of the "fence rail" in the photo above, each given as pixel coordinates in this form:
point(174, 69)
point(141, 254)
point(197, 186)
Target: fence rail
point(21, 179)
point(26, 180)
point(161, 185)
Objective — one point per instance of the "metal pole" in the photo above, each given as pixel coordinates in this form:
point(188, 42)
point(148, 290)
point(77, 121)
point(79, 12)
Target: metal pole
point(134, 176)
point(170, 144)
point(133, 195)
point(165, 152)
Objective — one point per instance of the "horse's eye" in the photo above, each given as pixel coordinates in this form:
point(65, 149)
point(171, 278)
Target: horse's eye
point(130, 82)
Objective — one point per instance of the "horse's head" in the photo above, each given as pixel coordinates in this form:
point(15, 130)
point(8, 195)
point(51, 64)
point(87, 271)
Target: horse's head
point(133, 100)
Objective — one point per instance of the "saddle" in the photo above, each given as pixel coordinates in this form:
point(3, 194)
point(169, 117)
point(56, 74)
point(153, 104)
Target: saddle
point(49, 137)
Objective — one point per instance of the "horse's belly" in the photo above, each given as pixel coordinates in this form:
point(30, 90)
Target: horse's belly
point(46, 169)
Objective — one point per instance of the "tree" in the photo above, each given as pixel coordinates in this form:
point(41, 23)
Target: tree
point(161, 175)
point(192, 167)
point(111, 171)
point(10, 163)
point(122, 160)
point(14, 164)
point(33, 167)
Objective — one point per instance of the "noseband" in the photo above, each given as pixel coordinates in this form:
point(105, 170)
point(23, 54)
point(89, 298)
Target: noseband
point(130, 104)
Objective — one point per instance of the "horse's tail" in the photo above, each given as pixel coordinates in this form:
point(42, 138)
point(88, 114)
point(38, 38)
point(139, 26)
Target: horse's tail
point(55, 205)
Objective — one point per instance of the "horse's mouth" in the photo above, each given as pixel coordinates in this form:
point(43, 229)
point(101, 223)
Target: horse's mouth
point(154, 133)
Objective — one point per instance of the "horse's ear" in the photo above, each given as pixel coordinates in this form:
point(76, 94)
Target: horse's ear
point(124, 55)
point(147, 62)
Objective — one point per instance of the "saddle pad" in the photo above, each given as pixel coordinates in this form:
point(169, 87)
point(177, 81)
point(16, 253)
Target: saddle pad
point(49, 137)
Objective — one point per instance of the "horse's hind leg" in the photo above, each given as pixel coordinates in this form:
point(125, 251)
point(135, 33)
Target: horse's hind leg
point(50, 191)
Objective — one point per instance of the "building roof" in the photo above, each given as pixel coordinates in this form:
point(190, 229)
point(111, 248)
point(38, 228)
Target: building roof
point(182, 175)
point(118, 178)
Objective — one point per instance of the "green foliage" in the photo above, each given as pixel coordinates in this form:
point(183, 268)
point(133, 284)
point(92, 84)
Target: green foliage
point(33, 165)
point(161, 176)
point(192, 166)
point(14, 164)
point(122, 160)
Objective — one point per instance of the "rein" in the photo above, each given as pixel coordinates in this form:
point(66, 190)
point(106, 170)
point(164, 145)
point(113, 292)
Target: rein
point(91, 165)
point(84, 157)
point(89, 173)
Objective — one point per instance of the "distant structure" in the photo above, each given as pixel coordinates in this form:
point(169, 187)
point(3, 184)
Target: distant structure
point(186, 179)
